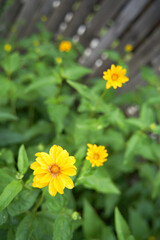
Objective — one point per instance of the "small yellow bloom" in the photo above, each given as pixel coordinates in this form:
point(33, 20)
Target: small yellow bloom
point(44, 18)
point(153, 126)
point(7, 47)
point(54, 169)
point(159, 68)
point(65, 46)
point(128, 48)
point(97, 155)
point(115, 77)
point(151, 238)
point(58, 60)
point(36, 43)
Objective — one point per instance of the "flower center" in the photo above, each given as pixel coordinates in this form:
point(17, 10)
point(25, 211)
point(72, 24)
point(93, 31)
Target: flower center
point(96, 156)
point(114, 77)
point(54, 169)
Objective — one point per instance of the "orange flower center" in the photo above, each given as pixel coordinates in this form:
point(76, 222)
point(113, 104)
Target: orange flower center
point(96, 156)
point(54, 169)
point(114, 77)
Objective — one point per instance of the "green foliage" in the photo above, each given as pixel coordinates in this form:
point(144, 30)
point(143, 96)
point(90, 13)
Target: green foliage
point(45, 102)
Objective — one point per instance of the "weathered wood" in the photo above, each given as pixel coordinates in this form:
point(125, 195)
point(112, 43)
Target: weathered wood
point(128, 14)
point(9, 16)
point(107, 10)
point(136, 34)
point(58, 15)
point(24, 17)
point(79, 17)
point(142, 27)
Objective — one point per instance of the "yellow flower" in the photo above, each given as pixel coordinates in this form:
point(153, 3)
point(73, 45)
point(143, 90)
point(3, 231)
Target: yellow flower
point(65, 46)
point(151, 238)
point(128, 48)
point(58, 60)
point(97, 155)
point(159, 68)
point(54, 169)
point(43, 18)
point(153, 126)
point(36, 43)
point(7, 47)
point(115, 77)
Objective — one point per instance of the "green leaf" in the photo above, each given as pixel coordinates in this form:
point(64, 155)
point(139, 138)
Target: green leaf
point(9, 193)
point(22, 160)
point(23, 230)
point(132, 146)
point(113, 55)
point(94, 227)
point(3, 216)
point(7, 175)
point(147, 116)
point(99, 181)
point(83, 90)
point(122, 228)
point(148, 74)
point(11, 63)
point(23, 202)
point(138, 225)
point(75, 72)
point(55, 204)
point(62, 228)
point(57, 114)
point(6, 116)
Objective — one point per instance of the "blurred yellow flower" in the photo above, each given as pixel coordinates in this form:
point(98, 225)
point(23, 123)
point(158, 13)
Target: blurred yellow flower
point(65, 46)
point(7, 47)
point(44, 18)
point(36, 43)
point(54, 169)
point(128, 48)
point(115, 77)
point(58, 60)
point(97, 155)
point(153, 126)
point(159, 68)
point(151, 238)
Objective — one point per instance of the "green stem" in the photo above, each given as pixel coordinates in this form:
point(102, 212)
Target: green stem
point(38, 203)
point(98, 102)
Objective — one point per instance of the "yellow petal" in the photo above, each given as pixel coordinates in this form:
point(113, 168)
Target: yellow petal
point(46, 178)
point(39, 185)
point(108, 85)
point(67, 181)
point(55, 151)
point(46, 158)
point(42, 162)
point(52, 189)
point(62, 157)
point(68, 171)
point(58, 185)
point(34, 165)
point(40, 170)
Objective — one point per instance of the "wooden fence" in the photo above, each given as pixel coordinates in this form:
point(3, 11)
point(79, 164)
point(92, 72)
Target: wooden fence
point(97, 25)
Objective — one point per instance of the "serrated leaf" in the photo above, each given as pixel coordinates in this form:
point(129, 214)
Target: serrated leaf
point(22, 160)
point(122, 228)
point(9, 193)
point(62, 228)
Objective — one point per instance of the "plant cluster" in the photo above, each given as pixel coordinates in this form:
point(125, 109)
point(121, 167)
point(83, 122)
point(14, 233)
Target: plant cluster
point(46, 105)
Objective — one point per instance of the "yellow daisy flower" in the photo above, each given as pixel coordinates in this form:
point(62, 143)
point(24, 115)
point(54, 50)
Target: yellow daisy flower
point(54, 169)
point(115, 77)
point(128, 48)
point(58, 60)
point(65, 46)
point(97, 155)
point(44, 18)
point(7, 47)
point(36, 43)
point(151, 238)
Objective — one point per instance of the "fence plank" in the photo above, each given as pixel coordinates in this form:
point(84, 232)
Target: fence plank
point(129, 13)
point(58, 15)
point(79, 17)
point(9, 16)
point(107, 11)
